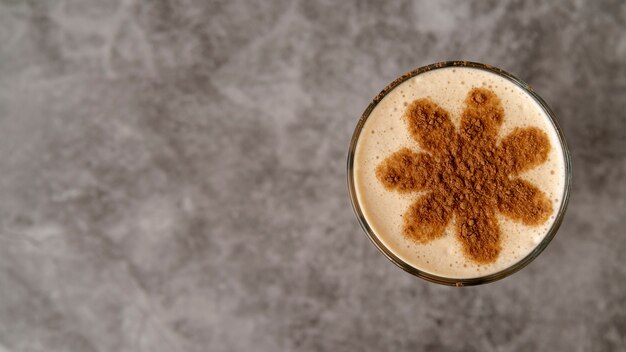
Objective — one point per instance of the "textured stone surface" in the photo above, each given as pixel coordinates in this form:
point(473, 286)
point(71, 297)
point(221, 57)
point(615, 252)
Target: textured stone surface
point(173, 176)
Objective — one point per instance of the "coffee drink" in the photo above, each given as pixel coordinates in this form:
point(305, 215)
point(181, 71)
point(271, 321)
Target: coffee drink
point(459, 172)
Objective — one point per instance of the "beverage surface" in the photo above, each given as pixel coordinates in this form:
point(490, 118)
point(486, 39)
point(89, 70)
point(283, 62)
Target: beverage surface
point(459, 172)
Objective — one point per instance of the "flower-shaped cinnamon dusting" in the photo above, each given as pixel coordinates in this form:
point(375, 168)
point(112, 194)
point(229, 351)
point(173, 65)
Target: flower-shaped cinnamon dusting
point(467, 174)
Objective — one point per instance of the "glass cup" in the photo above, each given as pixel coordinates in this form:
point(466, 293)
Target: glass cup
point(440, 279)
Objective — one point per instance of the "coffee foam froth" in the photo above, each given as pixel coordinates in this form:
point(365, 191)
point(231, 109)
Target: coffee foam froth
point(385, 132)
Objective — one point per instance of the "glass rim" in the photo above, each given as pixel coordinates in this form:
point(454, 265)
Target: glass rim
point(442, 279)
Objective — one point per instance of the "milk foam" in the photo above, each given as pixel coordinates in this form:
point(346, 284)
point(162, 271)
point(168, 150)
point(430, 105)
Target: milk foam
point(385, 132)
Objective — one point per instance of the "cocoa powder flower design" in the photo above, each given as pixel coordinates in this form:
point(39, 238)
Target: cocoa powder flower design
point(468, 175)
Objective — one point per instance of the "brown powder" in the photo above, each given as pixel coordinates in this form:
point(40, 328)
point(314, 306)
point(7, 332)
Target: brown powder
point(467, 174)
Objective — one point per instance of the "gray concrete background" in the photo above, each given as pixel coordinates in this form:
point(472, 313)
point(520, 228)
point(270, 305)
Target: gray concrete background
point(173, 176)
